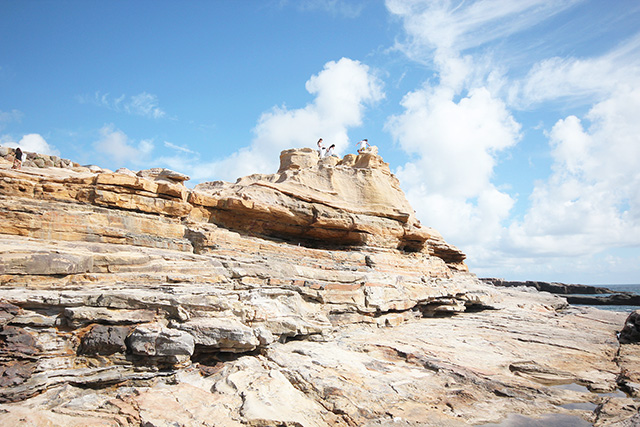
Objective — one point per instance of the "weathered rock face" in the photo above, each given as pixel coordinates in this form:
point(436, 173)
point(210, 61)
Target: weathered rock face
point(309, 297)
point(354, 201)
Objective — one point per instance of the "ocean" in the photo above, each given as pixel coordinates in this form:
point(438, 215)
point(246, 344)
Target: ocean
point(620, 288)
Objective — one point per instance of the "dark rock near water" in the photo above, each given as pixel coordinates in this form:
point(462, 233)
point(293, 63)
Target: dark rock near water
point(631, 331)
point(620, 298)
point(551, 287)
point(575, 294)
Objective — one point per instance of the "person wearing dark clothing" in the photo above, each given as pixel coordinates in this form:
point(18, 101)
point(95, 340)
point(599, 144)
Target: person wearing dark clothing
point(17, 162)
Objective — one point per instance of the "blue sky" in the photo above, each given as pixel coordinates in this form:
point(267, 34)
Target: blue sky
point(513, 126)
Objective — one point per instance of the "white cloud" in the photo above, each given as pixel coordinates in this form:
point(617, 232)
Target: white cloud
point(584, 79)
point(116, 145)
point(33, 143)
point(455, 26)
point(342, 91)
point(143, 104)
point(346, 8)
point(178, 148)
point(591, 201)
point(456, 125)
point(455, 145)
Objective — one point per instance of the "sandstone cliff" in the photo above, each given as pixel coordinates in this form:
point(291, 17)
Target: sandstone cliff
point(309, 297)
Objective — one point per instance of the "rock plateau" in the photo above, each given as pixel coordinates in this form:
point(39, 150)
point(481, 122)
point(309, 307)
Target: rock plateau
point(308, 297)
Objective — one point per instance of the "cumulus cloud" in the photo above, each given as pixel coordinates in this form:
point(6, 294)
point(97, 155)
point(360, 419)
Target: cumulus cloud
point(590, 203)
point(342, 91)
point(456, 125)
point(593, 193)
point(143, 104)
point(455, 145)
point(33, 143)
point(119, 148)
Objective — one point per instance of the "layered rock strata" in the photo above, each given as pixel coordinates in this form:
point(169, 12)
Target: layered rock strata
point(308, 297)
point(355, 201)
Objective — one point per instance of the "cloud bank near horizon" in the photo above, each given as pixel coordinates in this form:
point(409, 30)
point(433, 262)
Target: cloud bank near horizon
point(456, 128)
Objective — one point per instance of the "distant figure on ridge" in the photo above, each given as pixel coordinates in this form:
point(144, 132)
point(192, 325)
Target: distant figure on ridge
point(330, 150)
point(362, 146)
point(320, 147)
point(17, 162)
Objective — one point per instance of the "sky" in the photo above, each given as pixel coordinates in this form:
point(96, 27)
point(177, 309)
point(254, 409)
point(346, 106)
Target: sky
point(513, 126)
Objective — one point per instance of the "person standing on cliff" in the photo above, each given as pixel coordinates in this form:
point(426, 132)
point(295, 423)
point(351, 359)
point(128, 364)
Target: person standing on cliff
point(362, 145)
point(320, 147)
point(17, 161)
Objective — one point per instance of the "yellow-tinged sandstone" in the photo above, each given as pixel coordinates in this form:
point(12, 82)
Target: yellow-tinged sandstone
point(172, 189)
point(201, 199)
point(122, 180)
point(353, 201)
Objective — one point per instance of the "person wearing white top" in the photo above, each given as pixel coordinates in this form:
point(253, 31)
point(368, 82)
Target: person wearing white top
point(362, 145)
point(329, 151)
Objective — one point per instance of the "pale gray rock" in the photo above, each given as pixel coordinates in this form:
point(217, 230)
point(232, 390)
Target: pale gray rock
point(222, 334)
point(97, 169)
point(162, 173)
point(125, 171)
point(155, 340)
point(79, 316)
point(266, 397)
point(45, 263)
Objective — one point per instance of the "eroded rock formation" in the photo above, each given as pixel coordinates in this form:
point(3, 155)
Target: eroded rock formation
point(308, 297)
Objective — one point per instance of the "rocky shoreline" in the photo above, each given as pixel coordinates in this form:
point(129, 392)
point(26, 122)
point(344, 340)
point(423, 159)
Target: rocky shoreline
point(575, 293)
point(308, 297)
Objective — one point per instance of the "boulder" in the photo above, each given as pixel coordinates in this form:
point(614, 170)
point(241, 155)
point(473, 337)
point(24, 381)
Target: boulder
point(163, 174)
point(104, 340)
point(155, 340)
point(631, 331)
point(221, 334)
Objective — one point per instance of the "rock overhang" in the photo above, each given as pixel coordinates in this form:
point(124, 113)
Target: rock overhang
point(353, 201)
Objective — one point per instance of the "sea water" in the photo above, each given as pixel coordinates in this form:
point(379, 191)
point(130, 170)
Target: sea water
point(619, 288)
point(550, 420)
